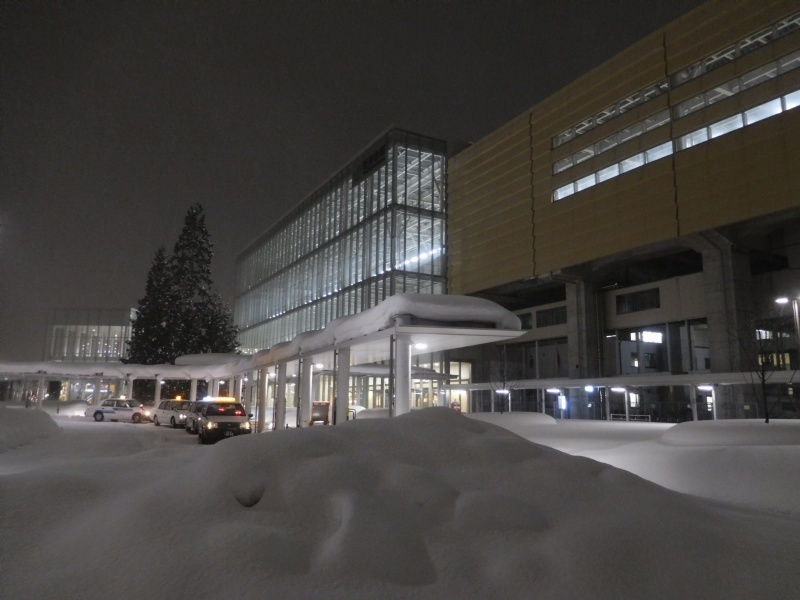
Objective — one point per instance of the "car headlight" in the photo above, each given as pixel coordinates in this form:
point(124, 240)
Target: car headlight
point(245, 425)
point(181, 417)
point(147, 413)
point(211, 425)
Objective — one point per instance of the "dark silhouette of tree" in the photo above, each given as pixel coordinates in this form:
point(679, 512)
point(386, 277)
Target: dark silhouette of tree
point(181, 313)
point(152, 340)
point(764, 349)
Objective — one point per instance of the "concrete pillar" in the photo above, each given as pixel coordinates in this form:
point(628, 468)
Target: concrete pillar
point(158, 391)
point(280, 397)
point(306, 397)
point(261, 399)
point(342, 396)
point(402, 373)
point(583, 330)
point(729, 299)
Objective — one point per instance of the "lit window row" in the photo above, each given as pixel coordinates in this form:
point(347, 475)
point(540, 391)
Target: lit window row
point(752, 42)
point(739, 84)
point(612, 112)
point(714, 130)
point(734, 51)
point(612, 141)
point(737, 121)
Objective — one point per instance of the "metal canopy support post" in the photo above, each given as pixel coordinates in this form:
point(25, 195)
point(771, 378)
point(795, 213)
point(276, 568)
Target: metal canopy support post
point(342, 399)
point(237, 387)
point(193, 390)
point(40, 392)
point(389, 402)
point(280, 397)
point(247, 396)
point(261, 399)
point(306, 391)
point(402, 403)
point(158, 391)
point(627, 406)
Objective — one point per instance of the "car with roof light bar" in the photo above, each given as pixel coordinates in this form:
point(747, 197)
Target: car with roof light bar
point(220, 418)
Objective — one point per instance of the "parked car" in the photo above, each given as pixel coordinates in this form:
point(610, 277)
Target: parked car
point(220, 418)
point(119, 409)
point(172, 413)
point(190, 422)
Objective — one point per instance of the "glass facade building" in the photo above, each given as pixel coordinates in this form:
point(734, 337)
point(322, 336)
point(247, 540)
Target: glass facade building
point(375, 229)
point(88, 335)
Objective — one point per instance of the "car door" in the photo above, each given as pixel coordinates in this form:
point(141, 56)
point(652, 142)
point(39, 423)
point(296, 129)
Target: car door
point(123, 410)
point(108, 409)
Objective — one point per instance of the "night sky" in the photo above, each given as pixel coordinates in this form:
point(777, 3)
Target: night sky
point(117, 116)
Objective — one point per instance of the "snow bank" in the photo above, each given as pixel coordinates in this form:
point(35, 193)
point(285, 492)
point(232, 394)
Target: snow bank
point(749, 432)
point(19, 426)
point(427, 505)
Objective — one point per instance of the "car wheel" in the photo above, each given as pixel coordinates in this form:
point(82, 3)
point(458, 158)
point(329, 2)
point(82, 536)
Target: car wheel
point(155, 421)
point(136, 418)
point(173, 423)
point(98, 416)
point(201, 438)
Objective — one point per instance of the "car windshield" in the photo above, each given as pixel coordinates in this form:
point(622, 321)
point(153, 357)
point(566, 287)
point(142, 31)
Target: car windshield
point(182, 406)
point(234, 409)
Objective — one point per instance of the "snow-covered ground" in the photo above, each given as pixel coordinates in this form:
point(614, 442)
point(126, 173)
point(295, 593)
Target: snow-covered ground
point(428, 505)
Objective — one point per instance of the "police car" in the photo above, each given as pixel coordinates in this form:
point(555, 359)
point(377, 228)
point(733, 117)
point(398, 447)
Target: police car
point(119, 409)
point(219, 418)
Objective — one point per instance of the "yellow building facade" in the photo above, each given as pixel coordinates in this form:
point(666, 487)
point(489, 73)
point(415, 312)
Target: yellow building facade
point(674, 164)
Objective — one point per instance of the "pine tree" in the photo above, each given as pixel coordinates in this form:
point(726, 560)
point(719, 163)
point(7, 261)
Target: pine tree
point(180, 313)
point(152, 341)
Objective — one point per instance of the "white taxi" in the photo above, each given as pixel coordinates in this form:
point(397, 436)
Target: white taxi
point(221, 417)
point(171, 412)
point(118, 409)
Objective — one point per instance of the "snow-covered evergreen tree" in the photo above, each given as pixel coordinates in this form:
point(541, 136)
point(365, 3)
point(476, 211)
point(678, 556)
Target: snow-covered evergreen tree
point(190, 318)
point(152, 341)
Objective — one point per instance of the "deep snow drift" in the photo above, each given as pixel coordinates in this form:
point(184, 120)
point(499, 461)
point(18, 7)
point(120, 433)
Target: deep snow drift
point(427, 505)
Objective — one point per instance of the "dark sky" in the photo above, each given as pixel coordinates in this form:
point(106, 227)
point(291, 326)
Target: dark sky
point(117, 116)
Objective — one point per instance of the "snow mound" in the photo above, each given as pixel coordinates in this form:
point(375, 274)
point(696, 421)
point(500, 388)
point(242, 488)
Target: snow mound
point(427, 505)
point(19, 426)
point(734, 433)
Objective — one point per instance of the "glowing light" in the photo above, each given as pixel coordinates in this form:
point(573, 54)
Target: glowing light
point(620, 390)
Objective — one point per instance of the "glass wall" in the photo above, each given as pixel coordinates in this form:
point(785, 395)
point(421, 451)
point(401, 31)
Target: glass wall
point(375, 229)
point(88, 335)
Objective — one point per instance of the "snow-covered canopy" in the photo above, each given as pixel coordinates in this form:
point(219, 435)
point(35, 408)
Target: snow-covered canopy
point(438, 312)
